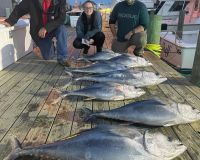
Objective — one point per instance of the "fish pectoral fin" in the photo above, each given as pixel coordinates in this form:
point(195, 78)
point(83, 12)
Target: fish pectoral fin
point(15, 144)
point(170, 123)
point(89, 98)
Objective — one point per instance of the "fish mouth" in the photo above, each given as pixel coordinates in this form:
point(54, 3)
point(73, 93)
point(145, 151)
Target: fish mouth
point(149, 63)
point(152, 145)
point(188, 112)
point(161, 78)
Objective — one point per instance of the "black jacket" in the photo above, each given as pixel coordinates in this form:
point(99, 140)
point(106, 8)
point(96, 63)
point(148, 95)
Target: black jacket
point(56, 15)
point(82, 26)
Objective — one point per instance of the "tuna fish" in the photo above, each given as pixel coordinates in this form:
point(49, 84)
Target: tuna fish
point(149, 112)
point(100, 56)
point(130, 61)
point(105, 91)
point(105, 143)
point(129, 77)
point(98, 67)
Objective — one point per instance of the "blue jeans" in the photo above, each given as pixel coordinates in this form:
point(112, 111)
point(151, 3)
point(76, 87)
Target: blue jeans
point(46, 45)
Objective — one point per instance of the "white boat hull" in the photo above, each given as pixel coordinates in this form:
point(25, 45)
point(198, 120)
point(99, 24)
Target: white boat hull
point(15, 43)
point(179, 53)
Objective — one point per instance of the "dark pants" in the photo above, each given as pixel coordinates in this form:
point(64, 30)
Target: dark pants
point(139, 40)
point(98, 42)
point(45, 44)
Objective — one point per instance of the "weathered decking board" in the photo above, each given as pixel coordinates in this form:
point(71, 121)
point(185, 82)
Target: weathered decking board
point(28, 87)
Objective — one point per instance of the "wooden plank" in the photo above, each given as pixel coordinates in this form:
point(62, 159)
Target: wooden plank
point(54, 124)
point(64, 119)
point(14, 72)
point(27, 108)
point(170, 72)
point(78, 125)
point(15, 65)
point(39, 132)
point(17, 90)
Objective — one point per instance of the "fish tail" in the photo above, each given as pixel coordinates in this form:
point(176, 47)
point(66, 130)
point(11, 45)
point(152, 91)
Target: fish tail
point(16, 147)
point(61, 96)
point(68, 83)
point(85, 114)
point(69, 72)
point(83, 59)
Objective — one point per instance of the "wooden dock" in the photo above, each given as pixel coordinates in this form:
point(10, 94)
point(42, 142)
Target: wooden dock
point(28, 87)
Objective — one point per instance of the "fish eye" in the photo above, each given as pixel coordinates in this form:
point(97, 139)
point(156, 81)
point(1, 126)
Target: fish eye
point(193, 108)
point(170, 139)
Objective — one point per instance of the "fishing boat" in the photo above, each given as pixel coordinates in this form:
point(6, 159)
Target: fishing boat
point(180, 52)
point(169, 10)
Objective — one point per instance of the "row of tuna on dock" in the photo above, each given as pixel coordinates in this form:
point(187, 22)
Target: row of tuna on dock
point(118, 79)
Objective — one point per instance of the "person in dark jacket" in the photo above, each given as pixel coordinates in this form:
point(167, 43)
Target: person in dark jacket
point(46, 21)
point(88, 29)
point(132, 20)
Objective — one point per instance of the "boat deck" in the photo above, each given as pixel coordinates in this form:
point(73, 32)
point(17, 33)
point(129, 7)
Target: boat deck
point(28, 87)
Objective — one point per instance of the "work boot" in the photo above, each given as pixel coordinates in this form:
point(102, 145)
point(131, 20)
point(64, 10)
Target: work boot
point(63, 62)
point(85, 51)
point(37, 52)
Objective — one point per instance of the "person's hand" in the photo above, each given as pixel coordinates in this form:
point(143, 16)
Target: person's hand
point(42, 32)
point(91, 41)
point(128, 35)
point(114, 37)
point(3, 22)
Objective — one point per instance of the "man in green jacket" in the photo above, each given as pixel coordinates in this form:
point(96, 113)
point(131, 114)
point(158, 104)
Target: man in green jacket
point(46, 21)
point(132, 20)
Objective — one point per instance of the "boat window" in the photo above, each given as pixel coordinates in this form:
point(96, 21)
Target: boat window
point(196, 5)
point(159, 6)
point(179, 5)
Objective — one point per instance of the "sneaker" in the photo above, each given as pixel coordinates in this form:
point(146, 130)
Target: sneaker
point(63, 62)
point(138, 54)
point(99, 49)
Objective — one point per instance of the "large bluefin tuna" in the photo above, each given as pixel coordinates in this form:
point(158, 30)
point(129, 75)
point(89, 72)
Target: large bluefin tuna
point(149, 112)
point(130, 61)
point(105, 143)
point(105, 91)
point(129, 77)
point(98, 67)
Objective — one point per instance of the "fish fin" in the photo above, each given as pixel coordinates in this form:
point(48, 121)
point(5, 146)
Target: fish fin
point(85, 114)
point(57, 100)
point(15, 144)
point(16, 147)
point(68, 71)
point(169, 124)
point(84, 59)
point(68, 84)
point(90, 98)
